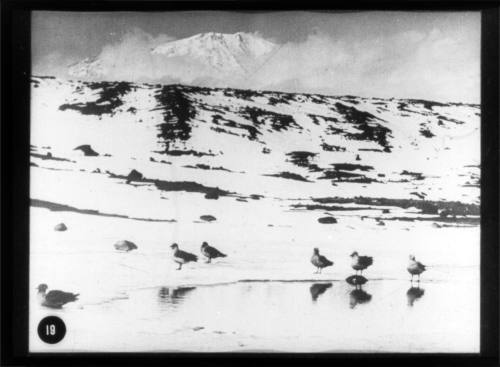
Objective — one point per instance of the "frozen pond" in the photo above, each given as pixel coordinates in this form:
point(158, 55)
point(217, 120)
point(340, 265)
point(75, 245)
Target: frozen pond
point(264, 295)
point(280, 316)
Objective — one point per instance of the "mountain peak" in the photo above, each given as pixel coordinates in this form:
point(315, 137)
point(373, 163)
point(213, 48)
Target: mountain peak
point(217, 56)
point(229, 52)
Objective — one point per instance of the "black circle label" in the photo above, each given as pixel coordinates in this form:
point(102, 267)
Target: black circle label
point(51, 329)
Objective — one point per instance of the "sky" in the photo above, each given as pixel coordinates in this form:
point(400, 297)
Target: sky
point(427, 55)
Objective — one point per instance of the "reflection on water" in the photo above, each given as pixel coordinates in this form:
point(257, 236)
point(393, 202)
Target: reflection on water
point(356, 280)
point(358, 296)
point(413, 294)
point(173, 296)
point(283, 316)
point(317, 289)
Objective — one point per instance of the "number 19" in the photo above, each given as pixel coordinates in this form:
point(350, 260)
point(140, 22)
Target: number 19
point(50, 329)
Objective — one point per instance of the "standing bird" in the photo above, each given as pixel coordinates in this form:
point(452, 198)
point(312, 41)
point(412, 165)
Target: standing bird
point(415, 267)
point(360, 262)
point(319, 261)
point(182, 257)
point(210, 252)
point(55, 298)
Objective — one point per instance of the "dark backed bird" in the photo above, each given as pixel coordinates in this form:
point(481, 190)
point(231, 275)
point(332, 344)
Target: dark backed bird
point(182, 257)
point(415, 267)
point(210, 252)
point(360, 263)
point(55, 298)
point(319, 261)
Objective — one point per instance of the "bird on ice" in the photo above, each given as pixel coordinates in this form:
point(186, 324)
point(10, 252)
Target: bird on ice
point(182, 257)
point(210, 252)
point(360, 262)
point(415, 267)
point(55, 298)
point(319, 261)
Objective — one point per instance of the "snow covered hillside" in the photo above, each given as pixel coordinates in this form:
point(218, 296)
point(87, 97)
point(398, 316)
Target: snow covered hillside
point(310, 152)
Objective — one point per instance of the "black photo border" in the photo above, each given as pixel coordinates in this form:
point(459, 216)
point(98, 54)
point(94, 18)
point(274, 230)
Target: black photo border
point(15, 203)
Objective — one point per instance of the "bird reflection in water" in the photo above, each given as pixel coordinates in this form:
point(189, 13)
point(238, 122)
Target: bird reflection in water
point(318, 289)
point(358, 295)
point(173, 296)
point(413, 294)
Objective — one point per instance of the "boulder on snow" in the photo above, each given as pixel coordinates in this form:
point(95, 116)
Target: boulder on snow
point(87, 150)
point(125, 246)
point(134, 175)
point(327, 220)
point(60, 227)
point(208, 218)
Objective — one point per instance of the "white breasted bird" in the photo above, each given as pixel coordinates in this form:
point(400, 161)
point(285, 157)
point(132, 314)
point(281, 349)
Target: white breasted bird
point(55, 298)
point(360, 263)
point(319, 261)
point(210, 252)
point(182, 257)
point(415, 267)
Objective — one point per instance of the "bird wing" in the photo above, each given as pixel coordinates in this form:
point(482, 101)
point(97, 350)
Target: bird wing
point(60, 297)
point(366, 260)
point(420, 265)
point(213, 252)
point(186, 256)
point(324, 260)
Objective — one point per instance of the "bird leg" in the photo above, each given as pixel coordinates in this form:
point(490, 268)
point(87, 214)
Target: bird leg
point(180, 266)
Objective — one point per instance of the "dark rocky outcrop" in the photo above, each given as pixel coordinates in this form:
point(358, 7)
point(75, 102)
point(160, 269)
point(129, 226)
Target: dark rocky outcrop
point(327, 220)
point(87, 150)
point(109, 99)
point(134, 175)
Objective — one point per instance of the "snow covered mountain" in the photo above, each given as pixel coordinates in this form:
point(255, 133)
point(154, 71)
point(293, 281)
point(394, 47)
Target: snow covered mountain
point(208, 56)
point(229, 53)
point(87, 68)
